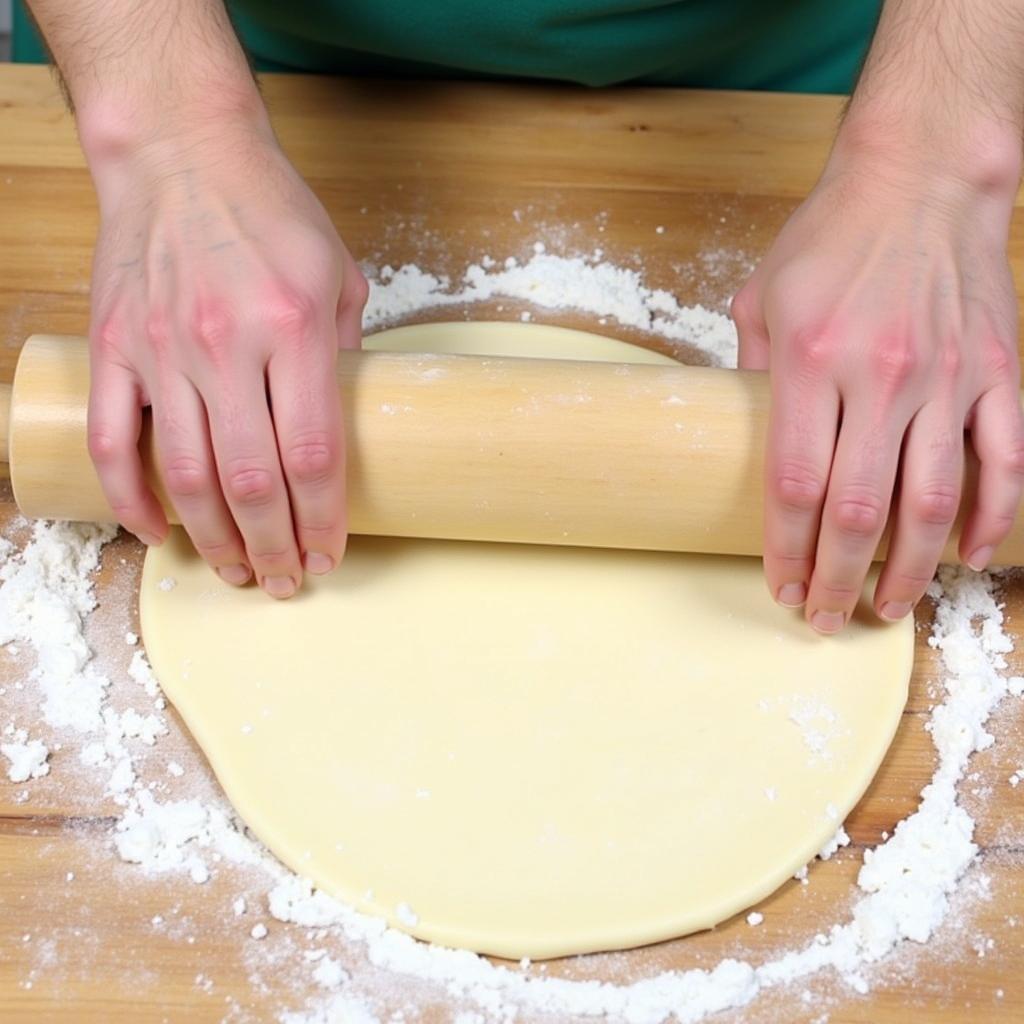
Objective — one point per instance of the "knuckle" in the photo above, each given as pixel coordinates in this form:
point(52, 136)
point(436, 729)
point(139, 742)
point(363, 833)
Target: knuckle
point(998, 522)
point(127, 513)
point(813, 347)
point(218, 552)
point(838, 593)
point(858, 515)
point(798, 488)
point(252, 486)
point(310, 530)
point(951, 361)
point(109, 336)
point(356, 291)
point(291, 316)
point(937, 504)
point(157, 330)
point(912, 582)
point(895, 360)
point(213, 328)
point(1013, 457)
point(311, 459)
point(789, 561)
point(105, 448)
point(273, 558)
point(186, 476)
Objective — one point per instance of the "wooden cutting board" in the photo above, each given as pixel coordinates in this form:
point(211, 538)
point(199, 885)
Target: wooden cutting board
point(439, 174)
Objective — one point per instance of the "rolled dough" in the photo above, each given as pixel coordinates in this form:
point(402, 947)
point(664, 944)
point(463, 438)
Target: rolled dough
point(528, 751)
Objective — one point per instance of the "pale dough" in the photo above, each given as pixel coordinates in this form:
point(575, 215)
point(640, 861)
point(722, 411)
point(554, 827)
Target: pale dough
point(528, 751)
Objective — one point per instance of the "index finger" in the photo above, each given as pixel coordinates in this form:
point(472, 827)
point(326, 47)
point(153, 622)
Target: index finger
point(114, 424)
point(802, 430)
point(307, 422)
point(249, 469)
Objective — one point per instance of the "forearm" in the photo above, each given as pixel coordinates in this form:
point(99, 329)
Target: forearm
point(943, 86)
point(138, 70)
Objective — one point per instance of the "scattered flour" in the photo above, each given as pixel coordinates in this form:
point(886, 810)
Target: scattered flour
point(28, 757)
point(818, 725)
point(176, 834)
point(339, 1009)
point(328, 972)
point(839, 840)
point(905, 883)
point(45, 594)
point(556, 282)
point(407, 915)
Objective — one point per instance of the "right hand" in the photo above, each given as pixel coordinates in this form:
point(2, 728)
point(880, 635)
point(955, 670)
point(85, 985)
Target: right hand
point(221, 295)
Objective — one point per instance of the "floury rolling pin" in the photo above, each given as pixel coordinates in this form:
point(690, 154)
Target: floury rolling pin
point(477, 448)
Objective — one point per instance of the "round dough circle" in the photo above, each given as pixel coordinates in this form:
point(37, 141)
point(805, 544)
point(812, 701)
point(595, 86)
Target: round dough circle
point(528, 751)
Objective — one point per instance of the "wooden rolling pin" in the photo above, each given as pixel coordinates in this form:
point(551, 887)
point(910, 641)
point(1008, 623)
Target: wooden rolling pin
point(477, 448)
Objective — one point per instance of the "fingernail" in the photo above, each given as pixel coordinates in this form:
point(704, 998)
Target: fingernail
point(828, 622)
point(236, 575)
point(318, 563)
point(893, 611)
point(792, 595)
point(279, 586)
point(980, 558)
point(151, 540)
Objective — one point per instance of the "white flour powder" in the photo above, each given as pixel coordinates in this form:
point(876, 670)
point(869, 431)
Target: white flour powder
point(556, 282)
point(27, 757)
point(45, 596)
point(906, 883)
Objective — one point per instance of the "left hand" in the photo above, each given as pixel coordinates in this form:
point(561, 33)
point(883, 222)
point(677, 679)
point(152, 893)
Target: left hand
point(885, 312)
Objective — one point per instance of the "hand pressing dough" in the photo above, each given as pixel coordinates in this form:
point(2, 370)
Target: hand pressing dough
point(528, 751)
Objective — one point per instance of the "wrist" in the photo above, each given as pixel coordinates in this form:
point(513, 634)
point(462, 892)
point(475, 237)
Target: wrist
point(979, 155)
point(115, 128)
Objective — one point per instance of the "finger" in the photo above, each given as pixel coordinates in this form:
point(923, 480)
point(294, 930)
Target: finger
point(997, 434)
point(857, 505)
point(931, 479)
point(114, 424)
point(801, 438)
point(187, 466)
point(307, 423)
point(249, 468)
point(754, 350)
point(354, 293)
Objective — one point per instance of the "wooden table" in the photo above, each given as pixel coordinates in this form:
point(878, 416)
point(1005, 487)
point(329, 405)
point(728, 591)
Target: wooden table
point(439, 174)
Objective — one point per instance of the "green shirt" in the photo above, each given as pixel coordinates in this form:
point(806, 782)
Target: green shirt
point(801, 45)
point(793, 45)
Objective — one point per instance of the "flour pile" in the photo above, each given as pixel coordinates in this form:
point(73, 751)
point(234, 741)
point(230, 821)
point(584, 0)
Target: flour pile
point(591, 284)
point(47, 595)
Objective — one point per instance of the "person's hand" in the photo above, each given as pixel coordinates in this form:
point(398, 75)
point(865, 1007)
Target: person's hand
point(886, 315)
point(221, 295)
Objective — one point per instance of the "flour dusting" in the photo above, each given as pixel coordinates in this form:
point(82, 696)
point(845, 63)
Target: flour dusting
point(592, 284)
point(28, 757)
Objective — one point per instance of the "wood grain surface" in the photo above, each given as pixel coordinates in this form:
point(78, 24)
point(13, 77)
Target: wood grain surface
point(439, 174)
